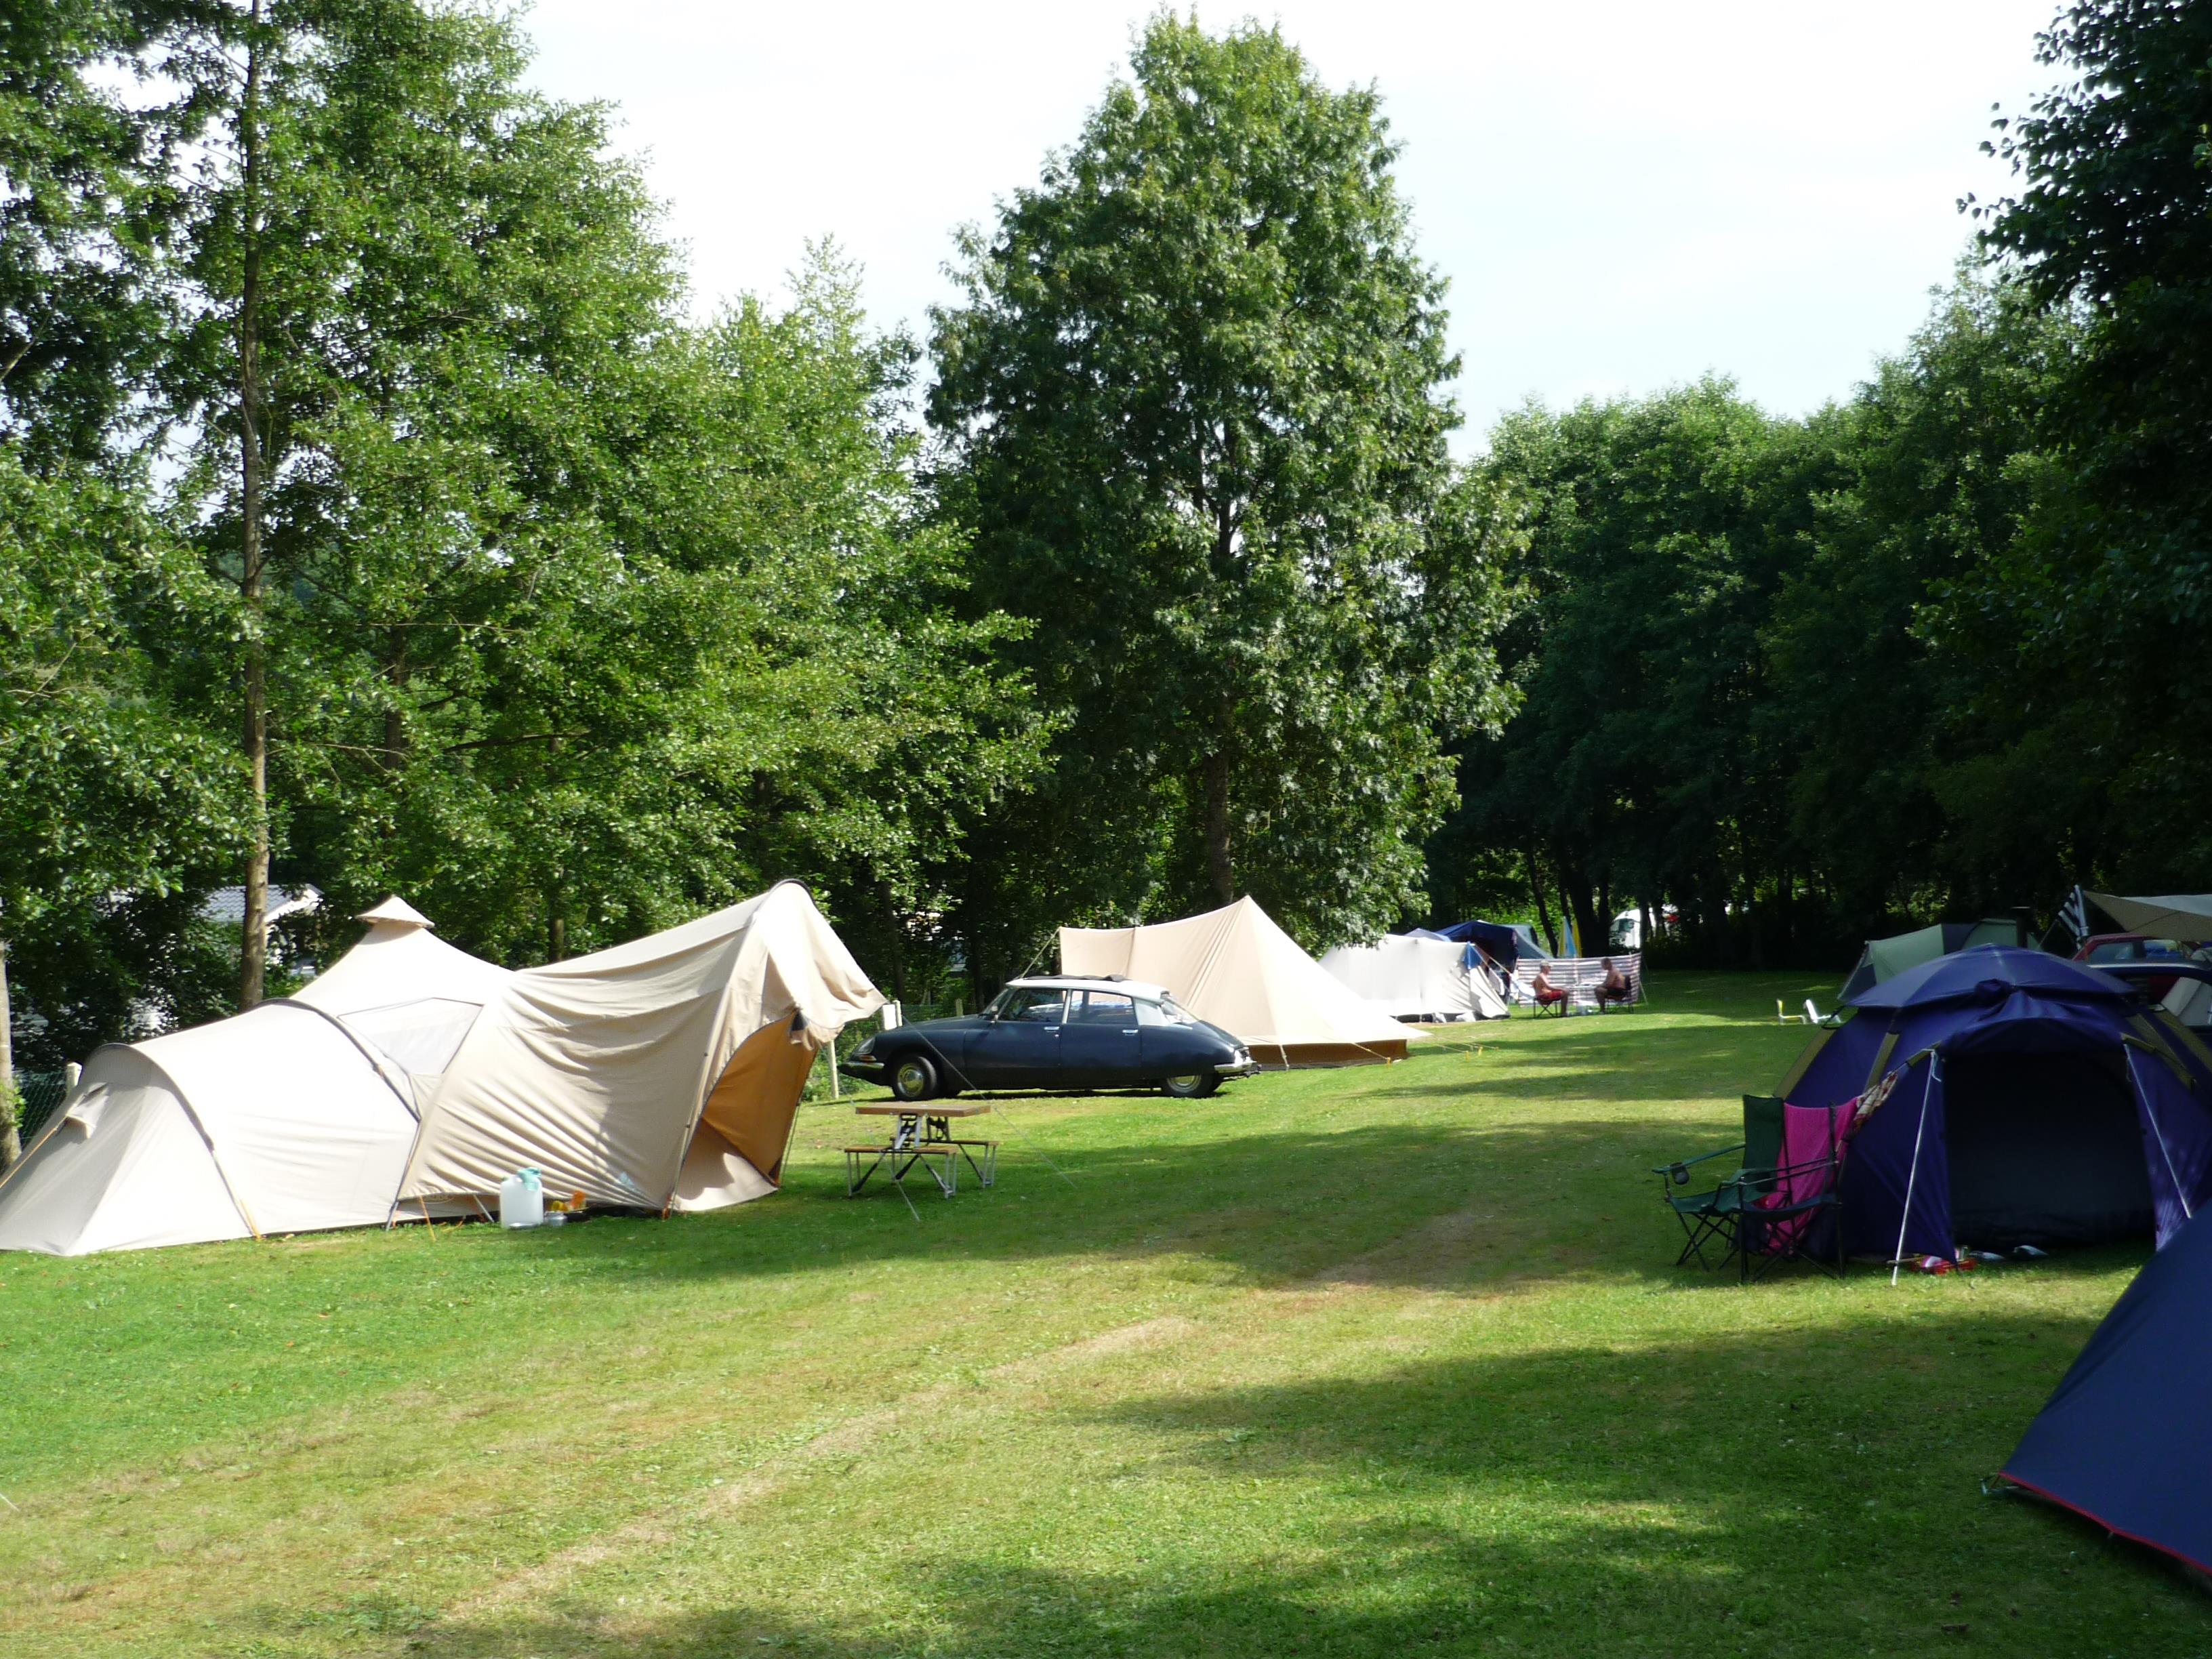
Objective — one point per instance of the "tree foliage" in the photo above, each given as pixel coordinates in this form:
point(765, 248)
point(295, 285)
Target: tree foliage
point(1193, 392)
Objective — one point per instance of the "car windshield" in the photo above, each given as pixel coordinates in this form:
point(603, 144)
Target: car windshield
point(1176, 1012)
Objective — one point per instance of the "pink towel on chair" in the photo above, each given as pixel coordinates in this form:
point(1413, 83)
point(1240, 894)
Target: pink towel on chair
point(1809, 1135)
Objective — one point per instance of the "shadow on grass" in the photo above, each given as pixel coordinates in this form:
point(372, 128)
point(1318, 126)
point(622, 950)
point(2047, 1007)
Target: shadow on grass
point(1468, 1202)
point(1620, 1061)
point(1458, 1205)
point(1647, 1500)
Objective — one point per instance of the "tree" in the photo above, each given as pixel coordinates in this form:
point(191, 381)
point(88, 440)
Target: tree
point(1194, 388)
point(110, 790)
point(107, 787)
point(572, 618)
point(2106, 591)
point(1659, 531)
point(1895, 694)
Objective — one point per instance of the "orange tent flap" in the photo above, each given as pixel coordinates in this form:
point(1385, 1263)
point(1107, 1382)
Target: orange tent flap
point(756, 1096)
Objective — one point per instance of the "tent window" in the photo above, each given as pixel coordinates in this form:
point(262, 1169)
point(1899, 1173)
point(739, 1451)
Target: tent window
point(2044, 1149)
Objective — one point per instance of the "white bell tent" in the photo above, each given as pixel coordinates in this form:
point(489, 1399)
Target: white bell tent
point(1412, 978)
point(1234, 968)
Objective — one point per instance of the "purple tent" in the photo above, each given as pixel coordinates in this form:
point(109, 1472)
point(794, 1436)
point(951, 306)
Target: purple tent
point(2035, 1102)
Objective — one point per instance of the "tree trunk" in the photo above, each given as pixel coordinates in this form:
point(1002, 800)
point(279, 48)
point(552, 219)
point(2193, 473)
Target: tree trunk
point(1536, 892)
point(11, 1142)
point(556, 927)
point(1220, 866)
point(1576, 899)
point(894, 942)
point(253, 952)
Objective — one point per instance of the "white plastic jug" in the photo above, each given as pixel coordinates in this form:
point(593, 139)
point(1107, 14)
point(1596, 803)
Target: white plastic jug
point(521, 1200)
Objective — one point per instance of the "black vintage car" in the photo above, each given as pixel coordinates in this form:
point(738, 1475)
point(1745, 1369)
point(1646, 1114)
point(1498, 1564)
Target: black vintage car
point(1058, 1034)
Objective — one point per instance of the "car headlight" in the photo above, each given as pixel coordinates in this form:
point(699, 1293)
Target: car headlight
point(866, 1048)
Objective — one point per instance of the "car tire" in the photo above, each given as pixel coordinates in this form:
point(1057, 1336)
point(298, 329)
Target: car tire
point(1197, 1085)
point(913, 1077)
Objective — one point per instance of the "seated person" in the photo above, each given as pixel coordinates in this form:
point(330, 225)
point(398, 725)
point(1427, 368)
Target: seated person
point(1547, 994)
point(1614, 988)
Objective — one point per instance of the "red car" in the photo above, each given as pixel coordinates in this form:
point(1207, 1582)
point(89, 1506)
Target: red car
point(2101, 948)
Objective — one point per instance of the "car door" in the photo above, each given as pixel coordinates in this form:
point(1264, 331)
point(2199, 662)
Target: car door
point(1099, 1041)
point(1020, 1047)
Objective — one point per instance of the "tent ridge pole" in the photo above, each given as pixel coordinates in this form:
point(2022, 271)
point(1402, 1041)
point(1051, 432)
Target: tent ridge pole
point(2142, 1096)
point(1912, 1176)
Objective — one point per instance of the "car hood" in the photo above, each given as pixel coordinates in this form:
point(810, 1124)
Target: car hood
point(955, 1025)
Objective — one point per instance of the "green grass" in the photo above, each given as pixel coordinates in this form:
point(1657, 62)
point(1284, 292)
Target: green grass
point(1387, 1361)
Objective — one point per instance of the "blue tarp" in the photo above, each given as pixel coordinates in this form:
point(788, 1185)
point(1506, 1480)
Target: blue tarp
point(1501, 942)
point(1996, 999)
point(2118, 1441)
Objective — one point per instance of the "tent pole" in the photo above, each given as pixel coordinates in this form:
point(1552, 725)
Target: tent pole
point(1912, 1176)
point(2142, 1096)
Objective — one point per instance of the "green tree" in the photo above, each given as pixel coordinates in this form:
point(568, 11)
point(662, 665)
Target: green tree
point(111, 795)
point(2106, 590)
point(1659, 531)
point(107, 789)
point(1194, 389)
point(569, 618)
point(736, 660)
point(1893, 693)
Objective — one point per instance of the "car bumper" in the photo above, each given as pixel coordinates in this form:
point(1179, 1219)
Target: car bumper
point(865, 1070)
point(1244, 1067)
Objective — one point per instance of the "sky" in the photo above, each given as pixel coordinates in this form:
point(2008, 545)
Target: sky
point(1623, 195)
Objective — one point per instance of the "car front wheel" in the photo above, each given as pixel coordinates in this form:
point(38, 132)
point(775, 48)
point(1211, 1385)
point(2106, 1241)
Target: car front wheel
point(1194, 1086)
point(913, 1079)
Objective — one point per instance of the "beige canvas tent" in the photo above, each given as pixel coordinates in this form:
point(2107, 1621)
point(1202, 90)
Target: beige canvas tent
point(662, 1074)
point(295, 1116)
point(1412, 978)
point(1236, 968)
point(2173, 916)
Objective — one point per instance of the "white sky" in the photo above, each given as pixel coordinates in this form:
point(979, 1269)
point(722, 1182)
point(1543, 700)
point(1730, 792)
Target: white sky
point(1624, 194)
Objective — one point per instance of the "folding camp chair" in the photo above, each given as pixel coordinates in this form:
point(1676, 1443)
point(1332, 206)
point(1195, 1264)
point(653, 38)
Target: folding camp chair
point(1711, 1218)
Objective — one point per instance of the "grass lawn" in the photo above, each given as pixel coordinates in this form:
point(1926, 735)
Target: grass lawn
point(1388, 1361)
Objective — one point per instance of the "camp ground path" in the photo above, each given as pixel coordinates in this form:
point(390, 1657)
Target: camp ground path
point(1363, 1361)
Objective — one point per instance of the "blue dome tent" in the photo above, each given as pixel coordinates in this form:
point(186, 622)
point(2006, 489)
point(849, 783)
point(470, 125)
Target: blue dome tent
point(2034, 1101)
point(2104, 1445)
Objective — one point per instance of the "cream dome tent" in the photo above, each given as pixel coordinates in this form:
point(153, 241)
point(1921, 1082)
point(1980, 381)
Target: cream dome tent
point(1236, 969)
point(293, 1116)
point(1408, 977)
point(663, 1073)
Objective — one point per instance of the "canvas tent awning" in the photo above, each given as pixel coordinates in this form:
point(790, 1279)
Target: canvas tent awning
point(1236, 968)
point(1408, 976)
point(2174, 915)
point(663, 1073)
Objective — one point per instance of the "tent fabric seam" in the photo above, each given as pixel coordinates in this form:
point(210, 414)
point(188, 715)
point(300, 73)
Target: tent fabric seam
point(2049, 1496)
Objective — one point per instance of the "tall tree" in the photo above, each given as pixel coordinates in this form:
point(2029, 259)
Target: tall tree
point(1659, 531)
point(1194, 391)
point(107, 787)
point(2110, 589)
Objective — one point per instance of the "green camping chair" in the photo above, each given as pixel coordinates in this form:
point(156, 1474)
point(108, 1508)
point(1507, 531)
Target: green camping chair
point(1712, 1218)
